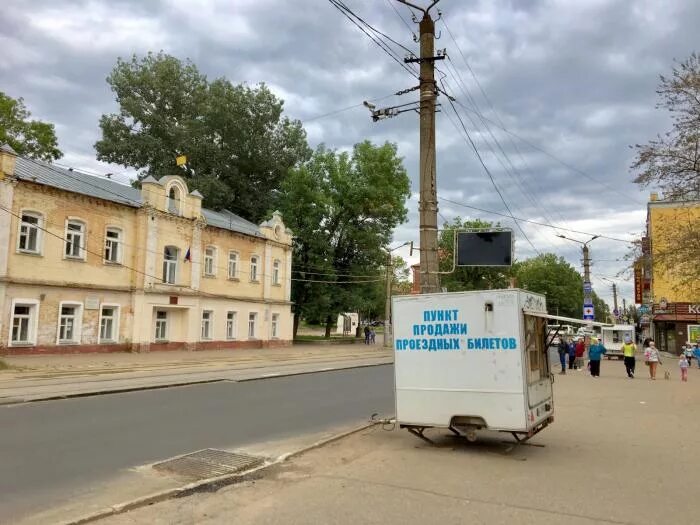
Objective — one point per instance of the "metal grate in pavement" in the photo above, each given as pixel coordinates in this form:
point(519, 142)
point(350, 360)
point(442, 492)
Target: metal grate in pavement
point(208, 463)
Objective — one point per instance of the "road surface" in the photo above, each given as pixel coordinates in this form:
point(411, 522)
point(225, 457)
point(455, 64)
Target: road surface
point(50, 450)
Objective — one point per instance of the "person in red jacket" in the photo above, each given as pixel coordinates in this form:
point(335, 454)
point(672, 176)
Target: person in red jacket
point(580, 350)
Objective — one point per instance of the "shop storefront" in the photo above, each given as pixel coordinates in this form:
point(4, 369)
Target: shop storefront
point(675, 324)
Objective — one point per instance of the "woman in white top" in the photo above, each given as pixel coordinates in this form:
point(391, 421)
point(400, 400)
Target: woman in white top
point(652, 358)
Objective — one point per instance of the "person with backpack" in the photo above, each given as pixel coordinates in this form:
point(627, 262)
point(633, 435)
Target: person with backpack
point(628, 349)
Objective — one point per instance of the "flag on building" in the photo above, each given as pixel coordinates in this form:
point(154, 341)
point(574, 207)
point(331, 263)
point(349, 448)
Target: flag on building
point(188, 256)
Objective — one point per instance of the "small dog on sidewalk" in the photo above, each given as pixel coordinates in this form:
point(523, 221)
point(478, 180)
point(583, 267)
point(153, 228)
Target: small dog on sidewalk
point(667, 375)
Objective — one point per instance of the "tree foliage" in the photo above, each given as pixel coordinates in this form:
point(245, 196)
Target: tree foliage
point(672, 163)
point(342, 208)
point(30, 138)
point(238, 144)
point(557, 279)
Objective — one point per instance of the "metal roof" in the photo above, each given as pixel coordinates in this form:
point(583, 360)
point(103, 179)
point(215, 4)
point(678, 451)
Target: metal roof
point(109, 190)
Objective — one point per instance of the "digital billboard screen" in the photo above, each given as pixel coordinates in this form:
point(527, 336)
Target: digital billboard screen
point(485, 248)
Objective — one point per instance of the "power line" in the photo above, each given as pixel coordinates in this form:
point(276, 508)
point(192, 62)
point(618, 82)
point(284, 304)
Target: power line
point(378, 41)
point(488, 172)
point(536, 222)
point(391, 3)
point(342, 110)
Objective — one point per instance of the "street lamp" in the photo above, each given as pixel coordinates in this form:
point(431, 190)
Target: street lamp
point(387, 306)
point(587, 289)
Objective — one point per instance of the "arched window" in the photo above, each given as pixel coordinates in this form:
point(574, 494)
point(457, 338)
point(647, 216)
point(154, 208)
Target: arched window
point(232, 265)
point(76, 239)
point(210, 261)
point(29, 237)
point(174, 199)
point(170, 257)
point(254, 268)
point(276, 272)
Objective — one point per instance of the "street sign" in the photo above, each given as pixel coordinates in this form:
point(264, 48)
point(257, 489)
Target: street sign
point(644, 309)
point(588, 312)
point(587, 287)
point(616, 312)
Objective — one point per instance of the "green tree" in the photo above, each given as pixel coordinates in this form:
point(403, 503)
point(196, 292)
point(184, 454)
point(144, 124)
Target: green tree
point(671, 162)
point(467, 278)
point(601, 308)
point(30, 138)
point(342, 208)
point(557, 279)
point(238, 144)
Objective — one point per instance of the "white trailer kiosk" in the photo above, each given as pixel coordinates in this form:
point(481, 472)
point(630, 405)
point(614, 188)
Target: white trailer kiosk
point(613, 338)
point(473, 360)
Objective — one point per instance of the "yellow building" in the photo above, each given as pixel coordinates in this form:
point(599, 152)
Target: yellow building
point(675, 306)
point(88, 264)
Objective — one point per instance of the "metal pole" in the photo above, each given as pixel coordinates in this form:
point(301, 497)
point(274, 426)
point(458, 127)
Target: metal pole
point(427, 207)
point(387, 306)
point(615, 296)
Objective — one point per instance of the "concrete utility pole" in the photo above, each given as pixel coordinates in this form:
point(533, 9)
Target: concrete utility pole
point(387, 305)
point(587, 288)
point(615, 297)
point(428, 206)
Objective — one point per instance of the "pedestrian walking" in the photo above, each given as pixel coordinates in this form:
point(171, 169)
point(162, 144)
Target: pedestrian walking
point(684, 365)
point(563, 351)
point(372, 336)
point(580, 350)
point(652, 358)
point(367, 330)
point(628, 349)
point(696, 353)
point(688, 352)
point(595, 353)
point(572, 353)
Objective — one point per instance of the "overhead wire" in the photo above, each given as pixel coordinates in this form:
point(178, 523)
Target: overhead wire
point(488, 172)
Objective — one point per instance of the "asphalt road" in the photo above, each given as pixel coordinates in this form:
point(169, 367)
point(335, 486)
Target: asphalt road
point(50, 450)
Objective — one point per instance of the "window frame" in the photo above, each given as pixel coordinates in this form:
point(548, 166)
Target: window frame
point(276, 266)
point(170, 202)
point(77, 323)
point(39, 232)
point(115, 323)
point(119, 243)
point(82, 246)
point(236, 262)
point(254, 319)
point(231, 325)
point(171, 262)
point(209, 259)
point(253, 275)
point(210, 326)
point(166, 322)
point(274, 326)
point(32, 323)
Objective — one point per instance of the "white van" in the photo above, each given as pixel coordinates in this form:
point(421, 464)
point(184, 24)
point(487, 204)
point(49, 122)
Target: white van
point(473, 360)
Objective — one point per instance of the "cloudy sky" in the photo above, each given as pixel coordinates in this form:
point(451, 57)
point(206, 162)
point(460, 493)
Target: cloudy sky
point(575, 79)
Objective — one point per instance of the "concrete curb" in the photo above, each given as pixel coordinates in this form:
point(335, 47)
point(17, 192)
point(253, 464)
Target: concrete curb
point(19, 401)
point(217, 482)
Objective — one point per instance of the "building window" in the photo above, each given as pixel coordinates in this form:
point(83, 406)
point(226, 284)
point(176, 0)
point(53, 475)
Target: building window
point(113, 250)
point(170, 256)
point(23, 322)
point(28, 240)
point(254, 268)
point(231, 325)
point(252, 319)
point(232, 265)
point(210, 261)
point(276, 272)
point(206, 324)
point(69, 323)
point(161, 325)
point(109, 324)
point(75, 239)
point(275, 325)
point(174, 200)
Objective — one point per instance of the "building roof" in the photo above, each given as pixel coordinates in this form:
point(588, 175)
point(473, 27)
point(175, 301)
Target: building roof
point(109, 190)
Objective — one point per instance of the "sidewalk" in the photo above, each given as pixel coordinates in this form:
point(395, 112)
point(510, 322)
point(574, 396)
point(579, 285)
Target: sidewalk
point(33, 378)
point(620, 451)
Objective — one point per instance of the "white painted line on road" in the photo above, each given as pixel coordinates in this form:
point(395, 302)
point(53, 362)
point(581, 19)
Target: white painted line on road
point(326, 369)
point(270, 375)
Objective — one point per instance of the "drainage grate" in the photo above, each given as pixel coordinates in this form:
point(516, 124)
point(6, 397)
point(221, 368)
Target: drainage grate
point(208, 463)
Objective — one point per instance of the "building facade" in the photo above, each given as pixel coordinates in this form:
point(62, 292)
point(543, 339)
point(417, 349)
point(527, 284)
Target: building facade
point(91, 265)
point(671, 311)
